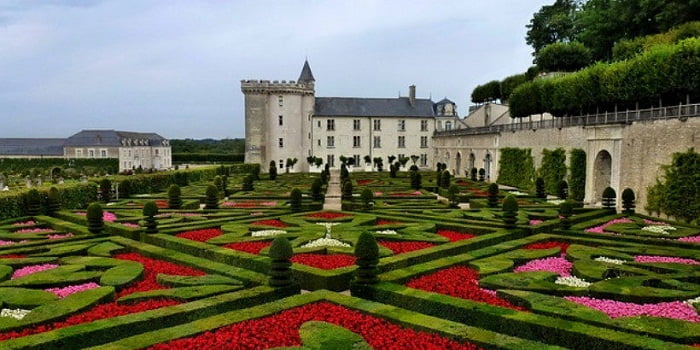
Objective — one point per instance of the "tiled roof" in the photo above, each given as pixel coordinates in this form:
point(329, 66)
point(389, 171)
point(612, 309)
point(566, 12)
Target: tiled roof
point(31, 147)
point(111, 138)
point(373, 107)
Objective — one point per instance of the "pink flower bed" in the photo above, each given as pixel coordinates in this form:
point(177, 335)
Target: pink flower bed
point(66, 291)
point(691, 239)
point(6, 242)
point(601, 228)
point(535, 222)
point(557, 265)
point(25, 223)
point(130, 224)
point(106, 216)
point(674, 309)
point(652, 222)
point(67, 235)
point(34, 230)
point(664, 259)
point(28, 270)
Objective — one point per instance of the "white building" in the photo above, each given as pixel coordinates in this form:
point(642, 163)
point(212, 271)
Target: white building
point(286, 120)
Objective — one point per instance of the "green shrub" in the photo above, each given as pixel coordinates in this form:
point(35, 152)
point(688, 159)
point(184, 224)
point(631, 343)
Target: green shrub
point(212, 197)
point(563, 189)
point(482, 174)
point(174, 197)
point(566, 209)
point(563, 57)
point(453, 195)
point(493, 195)
point(295, 199)
point(347, 190)
point(577, 181)
point(33, 202)
point(344, 174)
point(609, 197)
point(280, 271)
point(367, 254)
point(272, 172)
point(219, 184)
point(473, 174)
point(367, 197)
point(316, 187)
point(416, 180)
point(490, 91)
point(53, 202)
point(94, 218)
point(105, 190)
point(628, 200)
point(553, 169)
point(150, 210)
point(516, 167)
point(539, 188)
point(510, 210)
point(678, 195)
point(445, 179)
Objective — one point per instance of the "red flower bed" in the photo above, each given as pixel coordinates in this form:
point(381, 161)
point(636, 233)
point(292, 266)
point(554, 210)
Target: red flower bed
point(455, 236)
point(13, 256)
point(479, 193)
point(249, 247)
point(152, 268)
point(399, 247)
point(461, 282)
point(200, 235)
point(382, 222)
point(327, 215)
point(96, 313)
point(273, 223)
point(547, 245)
point(364, 182)
point(161, 203)
point(282, 330)
point(323, 261)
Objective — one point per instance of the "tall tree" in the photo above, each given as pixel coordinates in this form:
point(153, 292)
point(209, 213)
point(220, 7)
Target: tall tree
point(552, 24)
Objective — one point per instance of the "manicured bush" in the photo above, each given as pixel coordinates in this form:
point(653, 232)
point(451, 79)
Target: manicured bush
point(212, 197)
point(393, 168)
point(219, 184)
point(563, 57)
point(539, 188)
point(510, 210)
point(473, 174)
point(150, 210)
point(33, 202)
point(367, 198)
point(174, 197)
point(316, 187)
point(272, 171)
point(493, 195)
point(105, 190)
point(344, 174)
point(553, 168)
point(490, 91)
point(516, 167)
point(453, 195)
point(482, 175)
point(678, 195)
point(566, 209)
point(295, 199)
point(416, 180)
point(577, 180)
point(563, 189)
point(280, 271)
point(347, 190)
point(628, 200)
point(94, 218)
point(445, 179)
point(124, 188)
point(53, 202)
point(413, 168)
point(609, 197)
point(248, 183)
point(367, 254)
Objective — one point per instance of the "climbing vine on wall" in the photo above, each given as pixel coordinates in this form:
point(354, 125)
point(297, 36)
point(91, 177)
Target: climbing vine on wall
point(577, 180)
point(553, 168)
point(516, 168)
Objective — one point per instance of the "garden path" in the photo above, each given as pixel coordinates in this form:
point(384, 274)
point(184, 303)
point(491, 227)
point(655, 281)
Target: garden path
point(333, 193)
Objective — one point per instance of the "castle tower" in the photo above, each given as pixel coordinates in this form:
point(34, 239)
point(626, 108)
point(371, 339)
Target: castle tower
point(278, 120)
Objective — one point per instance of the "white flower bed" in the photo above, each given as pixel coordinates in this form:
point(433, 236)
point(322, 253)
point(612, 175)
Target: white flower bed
point(17, 314)
point(660, 229)
point(325, 242)
point(387, 232)
point(267, 233)
point(518, 193)
point(609, 260)
point(572, 281)
point(556, 201)
point(693, 301)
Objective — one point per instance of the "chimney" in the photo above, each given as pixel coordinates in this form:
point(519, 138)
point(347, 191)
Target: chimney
point(412, 95)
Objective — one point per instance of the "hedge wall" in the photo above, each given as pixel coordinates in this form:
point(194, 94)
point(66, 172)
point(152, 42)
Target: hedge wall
point(21, 165)
point(553, 168)
point(670, 73)
point(577, 179)
point(73, 196)
point(516, 167)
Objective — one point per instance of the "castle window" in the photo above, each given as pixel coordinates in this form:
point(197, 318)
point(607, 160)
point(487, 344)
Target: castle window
point(330, 160)
point(280, 120)
point(377, 125)
point(448, 125)
point(319, 142)
point(423, 159)
point(356, 124)
point(281, 164)
point(402, 125)
point(91, 153)
point(356, 157)
point(330, 125)
point(281, 142)
point(377, 142)
point(319, 123)
point(330, 141)
point(356, 141)
point(402, 141)
point(424, 142)
point(423, 125)
point(79, 153)
point(103, 153)
point(280, 99)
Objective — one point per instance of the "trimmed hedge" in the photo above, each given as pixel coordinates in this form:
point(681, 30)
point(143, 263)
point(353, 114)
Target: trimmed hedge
point(516, 167)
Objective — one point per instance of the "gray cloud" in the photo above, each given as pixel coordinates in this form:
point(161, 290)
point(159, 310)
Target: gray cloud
point(174, 66)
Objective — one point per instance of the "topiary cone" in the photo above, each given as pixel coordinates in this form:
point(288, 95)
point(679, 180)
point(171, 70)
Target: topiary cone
point(33, 202)
point(510, 210)
point(150, 210)
point(53, 202)
point(212, 199)
point(367, 253)
point(94, 218)
point(280, 273)
point(174, 197)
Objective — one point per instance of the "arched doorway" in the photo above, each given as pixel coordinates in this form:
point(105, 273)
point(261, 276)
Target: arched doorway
point(472, 161)
point(459, 163)
point(602, 174)
point(487, 166)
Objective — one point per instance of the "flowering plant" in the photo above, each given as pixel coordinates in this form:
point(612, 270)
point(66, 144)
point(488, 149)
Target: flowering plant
point(17, 314)
point(552, 264)
point(63, 292)
point(659, 229)
point(400, 247)
point(387, 232)
point(249, 247)
point(266, 233)
point(273, 223)
point(534, 222)
point(67, 235)
point(25, 223)
point(609, 260)
point(690, 239)
point(325, 242)
point(200, 235)
point(572, 281)
point(323, 261)
point(327, 215)
point(454, 236)
point(674, 309)
point(664, 259)
point(601, 228)
point(28, 270)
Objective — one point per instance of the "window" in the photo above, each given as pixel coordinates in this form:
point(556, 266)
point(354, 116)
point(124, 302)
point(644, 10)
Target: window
point(281, 142)
point(330, 124)
point(377, 125)
point(78, 153)
point(281, 164)
point(423, 125)
point(356, 124)
point(330, 160)
point(402, 125)
point(106, 152)
point(280, 120)
point(319, 142)
point(423, 159)
point(280, 100)
point(377, 142)
point(424, 142)
point(448, 125)
point(357, 159)
point(319, 123)
point(356, 141)
point(330, 141)
point(402, 141)
point(91, 153)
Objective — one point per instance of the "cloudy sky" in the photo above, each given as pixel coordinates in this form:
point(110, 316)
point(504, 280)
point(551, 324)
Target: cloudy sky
point(174, 66)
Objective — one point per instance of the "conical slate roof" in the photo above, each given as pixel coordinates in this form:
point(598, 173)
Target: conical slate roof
point(306, 76)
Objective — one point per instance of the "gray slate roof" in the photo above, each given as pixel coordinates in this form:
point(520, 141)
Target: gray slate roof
point(110, 138)
point(373, 107)
point(306, 75)
point(31, 147)
point(444, 101)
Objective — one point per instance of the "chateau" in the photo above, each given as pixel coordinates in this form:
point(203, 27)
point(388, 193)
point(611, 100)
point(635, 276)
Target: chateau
point(286, 120)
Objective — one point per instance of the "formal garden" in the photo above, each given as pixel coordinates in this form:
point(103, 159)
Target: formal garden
point(225, 256)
